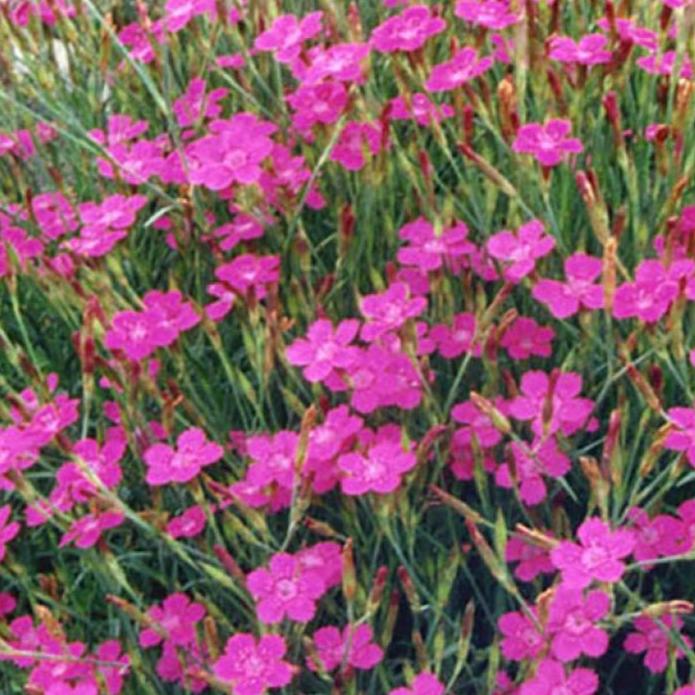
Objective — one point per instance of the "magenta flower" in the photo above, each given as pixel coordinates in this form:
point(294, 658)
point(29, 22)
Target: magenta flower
point(174, 622)
point(551, 679)
point(323, 102)
point(521, 637)
point(87, 530)
point(682, 435)
point(650, 296)
point(531, 464)
point(343, 62)
point(249, 271)
point(598, 556)
point(389, 310)
point(551, 402)
point(418, 108)
point(54, 214)
point(195, 103)
point(532, 559)
point(407, 31)
point(662, 536)
point(524, 338)
point(178, 13)
point(653, 638)
point(273, 458)
point(686, 690)
point(429, 251)
point(423, 684)
point(548, 143)
point(324, 349)
point(285, 589)
point(476, 422)
point(242, 228)
point(188, 525)
point(7, 531)
point(462, 68)
point(457, 339)
point(378, 470)
point(139, 334)
point(232, 153)
point(572, 623)
point(323, 559)
point(287, 34)
point(579, 290)
point(357, 140)
point(520, 250)
point(249, 667)
point(352, 646)
point(491, 14)
point(181, 465)
point(663, 64)
point(589, 50)
point(115, 211)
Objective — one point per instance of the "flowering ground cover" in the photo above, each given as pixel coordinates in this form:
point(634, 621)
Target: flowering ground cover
point(347, 347)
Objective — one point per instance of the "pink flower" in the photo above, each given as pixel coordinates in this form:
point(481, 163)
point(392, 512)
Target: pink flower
point(598, 556)
point(323, 559)
point(578, 291)
point(531, 464)
point(54, 214)
point(491, 14)
point(428, 250)
point(423, 684)
point(139, 334)
point(187, 525)
point(250, 667)
point(520, 249)
point(323, 102)
point(389, 310)
point(195, 104)
point(589, 50)
point(7, 531)
point(548, 143)
point(178, 13)
point(356, 140)
point(232, 153)
point(419, 108)
point(686, 690)
point(378, 470)
point(662, 536)
point(664, 64)
point(653, 637)
point(324, 349)
point(352, 646)
point(380, 378)
point(238, 277)
point(476, 422)
point(532, 559)
point(407, 31)
point(650, 296)
point(682, 435)
point(343, 62)
point(572, 623)
point(463, 67)
point(242, 228)
point(181, 465)
point(287, 34)
point(525, 338)
point(550, 679)
point(457, 339)
point(521, 639)
point(551, 402)
point(174, 621)
point(285, 589)
point(273, 459)
point(87, 530)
